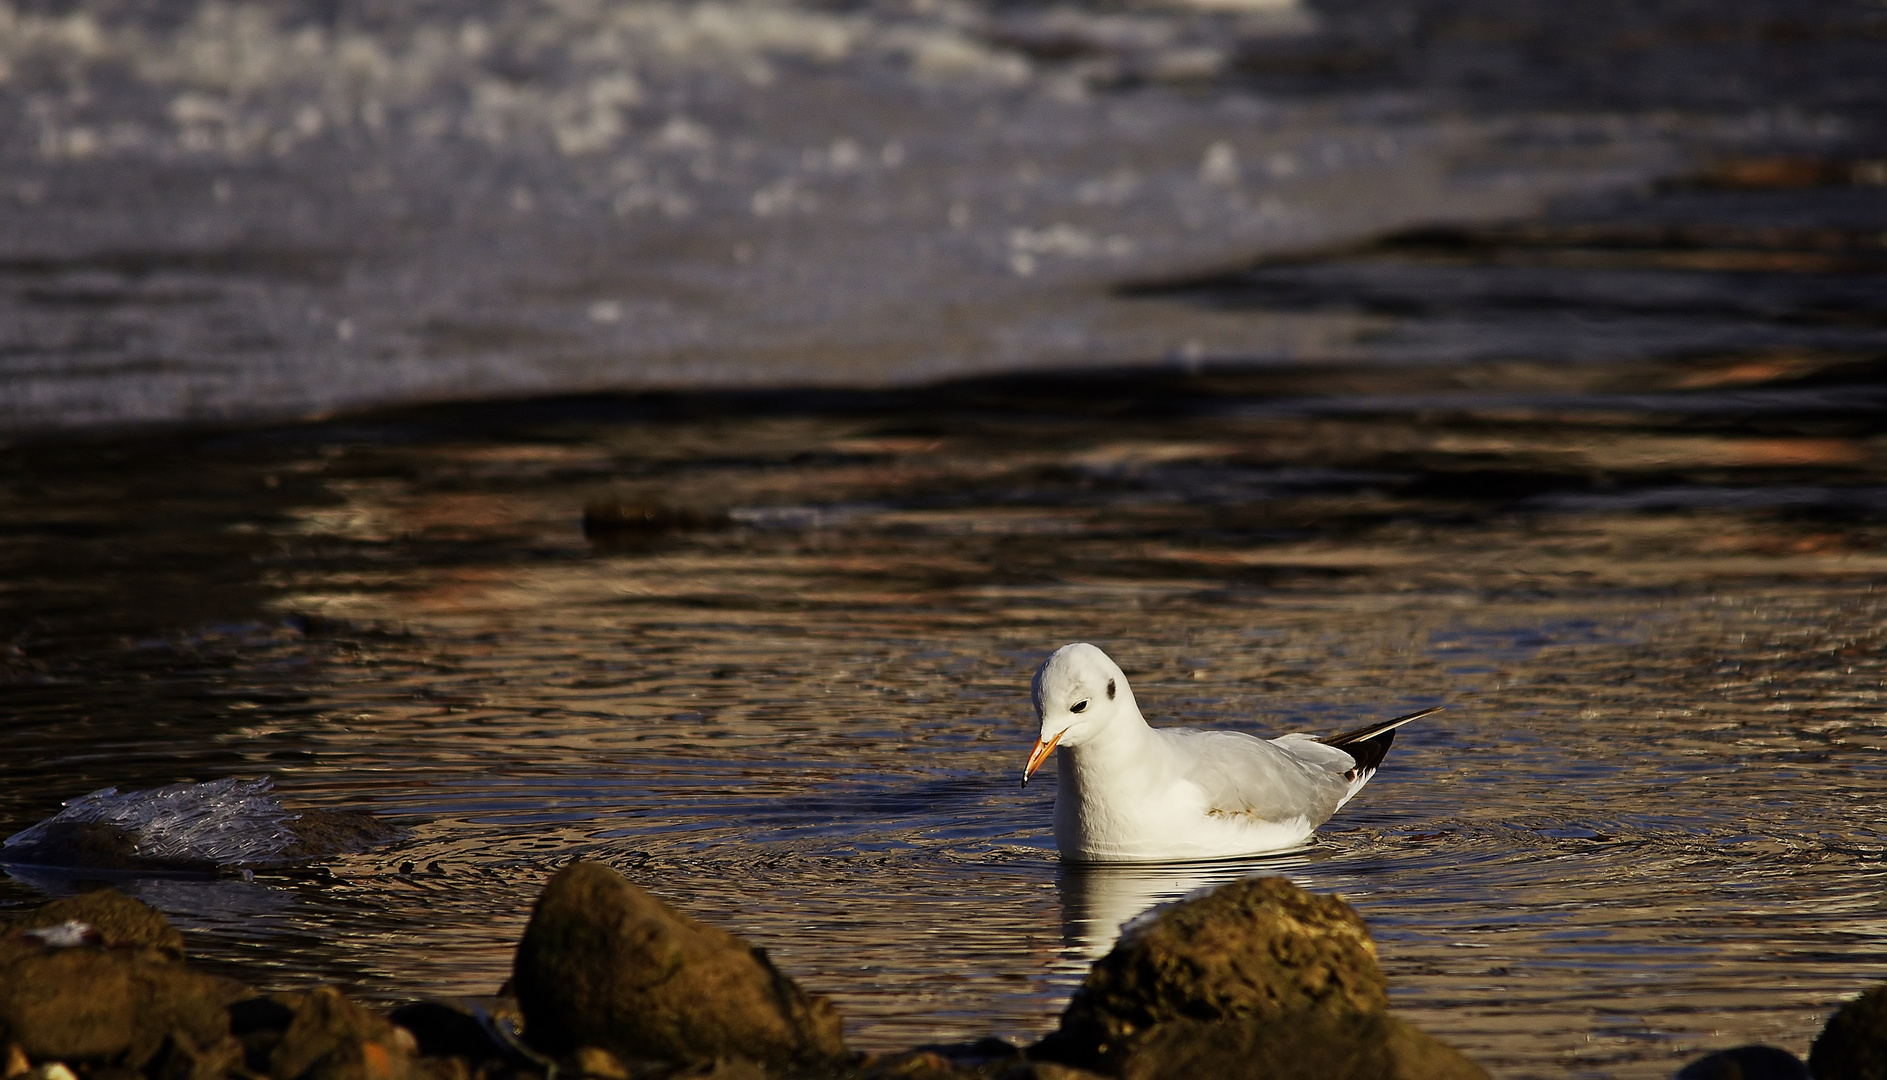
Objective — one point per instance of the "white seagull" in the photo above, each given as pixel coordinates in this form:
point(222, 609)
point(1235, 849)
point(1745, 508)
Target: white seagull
point(1133, 793)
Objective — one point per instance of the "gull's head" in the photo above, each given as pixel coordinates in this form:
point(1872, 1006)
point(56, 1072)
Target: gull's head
point(1078, 692)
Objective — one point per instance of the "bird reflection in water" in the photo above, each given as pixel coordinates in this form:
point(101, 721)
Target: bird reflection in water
point(1097, 899)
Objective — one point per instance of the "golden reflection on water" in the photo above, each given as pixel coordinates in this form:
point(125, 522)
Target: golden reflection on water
point(1536, 857)
point(1648, 822)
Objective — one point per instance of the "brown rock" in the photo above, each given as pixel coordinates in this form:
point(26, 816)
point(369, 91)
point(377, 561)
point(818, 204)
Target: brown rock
point(320, 833)
point(332, 1038)
point(97, 845)
point(1853, 1045)
point(1255, 979)
point(182, 1059)
point(1254, 950)
point(605, 964)
point(1321, 1046)
point(118, 920)
point(259, 1023)
point(109, 1006)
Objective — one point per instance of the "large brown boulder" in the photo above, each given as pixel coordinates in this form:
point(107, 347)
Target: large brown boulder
point(1255, 950)
point(111, 992)
point(1853, 1044)
point(605, 964)
point(1255, 979)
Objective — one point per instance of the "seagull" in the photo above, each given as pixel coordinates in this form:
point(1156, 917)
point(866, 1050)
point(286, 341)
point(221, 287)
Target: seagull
point(1133, 793)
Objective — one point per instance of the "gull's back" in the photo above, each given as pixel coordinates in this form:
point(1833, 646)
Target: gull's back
point(1265, 780)
point(1201, 795)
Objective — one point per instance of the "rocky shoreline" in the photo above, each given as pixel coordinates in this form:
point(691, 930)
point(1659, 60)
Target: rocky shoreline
point(1257, 979)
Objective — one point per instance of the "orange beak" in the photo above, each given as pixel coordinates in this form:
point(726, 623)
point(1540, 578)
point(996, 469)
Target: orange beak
point(1039, 755)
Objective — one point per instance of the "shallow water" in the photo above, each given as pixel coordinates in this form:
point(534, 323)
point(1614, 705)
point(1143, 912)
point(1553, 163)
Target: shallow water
point(1647, 823)
point(1608, 481)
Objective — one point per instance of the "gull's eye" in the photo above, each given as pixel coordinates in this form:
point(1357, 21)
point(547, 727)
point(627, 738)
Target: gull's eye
point(1079, 706)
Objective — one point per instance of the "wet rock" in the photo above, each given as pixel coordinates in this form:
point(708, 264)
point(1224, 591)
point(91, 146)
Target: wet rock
point(1746, 1063)
point(985, 1059)
point(117, 920)
point(605, 964)
point(332, 1038)
point(82, 1000)
point(181, 1058)
point(1319, 1046)
point(1853, 1045)
point(1256, 950)
point(95, 845)
point(471, 1028)
point(258, 1024)
point(196, 828)
point(1258, 978)
point(320, 833)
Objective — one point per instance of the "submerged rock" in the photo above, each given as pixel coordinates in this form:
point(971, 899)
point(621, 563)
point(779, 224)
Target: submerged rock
point(320, 833)
point(1746, 1063)
point(1255, 979)
point(1853, 1045)
point(190, 828)
point(605, 964)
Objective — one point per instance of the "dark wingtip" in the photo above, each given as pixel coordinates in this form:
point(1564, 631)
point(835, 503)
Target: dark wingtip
point(1369, 752)
point(1369, 744)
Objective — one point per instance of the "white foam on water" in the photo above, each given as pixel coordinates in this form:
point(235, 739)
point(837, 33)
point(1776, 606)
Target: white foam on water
point(234, 211)
point(222, 822)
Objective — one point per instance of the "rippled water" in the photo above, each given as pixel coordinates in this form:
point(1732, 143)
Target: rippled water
point(1607, 478)
point(1648, 822)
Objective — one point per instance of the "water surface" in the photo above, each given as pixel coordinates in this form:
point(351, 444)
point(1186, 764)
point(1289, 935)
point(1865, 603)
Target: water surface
point(1606, 477)
point(1647, 824)
point(280, 208)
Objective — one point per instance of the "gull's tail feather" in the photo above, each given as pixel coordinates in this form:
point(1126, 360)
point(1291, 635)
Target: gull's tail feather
point(1369, 744)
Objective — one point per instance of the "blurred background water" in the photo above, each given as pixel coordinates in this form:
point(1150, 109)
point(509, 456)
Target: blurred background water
point(1320, 362)
point(214, 209)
